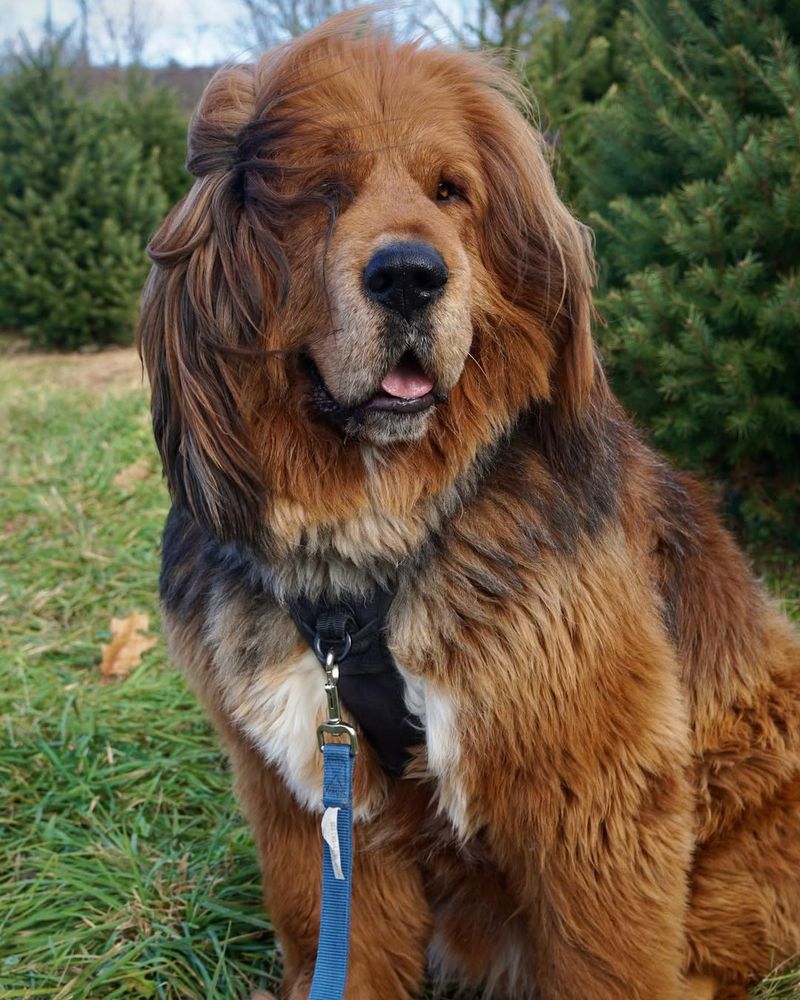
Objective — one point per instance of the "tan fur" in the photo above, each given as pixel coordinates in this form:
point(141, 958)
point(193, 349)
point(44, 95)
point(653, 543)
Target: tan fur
point(608, 802)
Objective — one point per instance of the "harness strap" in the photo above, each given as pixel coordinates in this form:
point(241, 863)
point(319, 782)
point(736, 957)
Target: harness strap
point(369, 681)
point(333, 952)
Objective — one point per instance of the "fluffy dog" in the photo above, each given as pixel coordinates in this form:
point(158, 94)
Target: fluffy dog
point(367, 331)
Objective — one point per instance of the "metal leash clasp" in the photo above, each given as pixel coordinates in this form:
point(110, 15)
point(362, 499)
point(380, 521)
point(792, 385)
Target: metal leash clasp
point(334, 726)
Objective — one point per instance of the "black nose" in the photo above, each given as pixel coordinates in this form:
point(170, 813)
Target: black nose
point(405, 277)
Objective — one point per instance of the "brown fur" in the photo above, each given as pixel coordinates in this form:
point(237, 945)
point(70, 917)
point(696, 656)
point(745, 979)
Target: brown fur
point(608, 804)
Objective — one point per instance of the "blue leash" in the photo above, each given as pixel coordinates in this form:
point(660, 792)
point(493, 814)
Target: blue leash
point(333, 952)
point(330, 974)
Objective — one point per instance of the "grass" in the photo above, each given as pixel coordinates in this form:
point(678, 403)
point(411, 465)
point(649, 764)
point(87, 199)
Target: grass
point(125, 870)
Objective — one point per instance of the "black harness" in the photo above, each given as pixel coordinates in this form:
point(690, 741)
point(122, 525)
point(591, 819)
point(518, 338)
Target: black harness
point(369, 681)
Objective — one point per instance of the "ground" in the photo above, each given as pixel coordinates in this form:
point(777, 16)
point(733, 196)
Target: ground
point(125, 869)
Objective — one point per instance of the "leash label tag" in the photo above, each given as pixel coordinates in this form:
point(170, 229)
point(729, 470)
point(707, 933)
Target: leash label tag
point(330, 834)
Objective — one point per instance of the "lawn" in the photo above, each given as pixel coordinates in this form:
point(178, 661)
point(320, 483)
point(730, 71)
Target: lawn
point(125, 869)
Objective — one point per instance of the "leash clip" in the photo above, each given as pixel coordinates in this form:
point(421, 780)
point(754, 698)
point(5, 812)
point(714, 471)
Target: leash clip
point(334, 726)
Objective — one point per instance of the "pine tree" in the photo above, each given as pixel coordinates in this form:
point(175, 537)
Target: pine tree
point(571, 62)
point(695, 186)
point(151, 114)
point(78, 201)
point(566, 57)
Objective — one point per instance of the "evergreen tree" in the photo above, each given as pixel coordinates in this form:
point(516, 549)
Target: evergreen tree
point(151, 114)
point(566, 56)
point(571, 62)
point(78, 201)
point(695, 186)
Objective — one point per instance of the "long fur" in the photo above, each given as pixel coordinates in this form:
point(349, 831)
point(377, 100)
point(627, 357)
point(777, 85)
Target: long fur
point(608, 801)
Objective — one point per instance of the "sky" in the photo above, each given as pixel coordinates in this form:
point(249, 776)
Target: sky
point(192, 32)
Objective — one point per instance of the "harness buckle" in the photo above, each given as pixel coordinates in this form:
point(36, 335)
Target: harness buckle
point(334, 726)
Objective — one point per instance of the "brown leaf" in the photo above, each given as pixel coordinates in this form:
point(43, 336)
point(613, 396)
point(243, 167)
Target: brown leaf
point(127, 645)
point(135, 473)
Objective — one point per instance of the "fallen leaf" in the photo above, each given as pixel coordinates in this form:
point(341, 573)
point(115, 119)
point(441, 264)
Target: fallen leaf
point(135, 473)
point(127, 645)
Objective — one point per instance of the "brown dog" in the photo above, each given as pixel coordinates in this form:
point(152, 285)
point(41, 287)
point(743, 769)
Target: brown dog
point(368, 335)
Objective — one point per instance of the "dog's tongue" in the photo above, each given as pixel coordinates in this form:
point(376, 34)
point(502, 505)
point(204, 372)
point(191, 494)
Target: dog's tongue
point(406, 381)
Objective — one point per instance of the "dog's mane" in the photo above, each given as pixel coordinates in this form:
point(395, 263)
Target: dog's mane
point(237, 444)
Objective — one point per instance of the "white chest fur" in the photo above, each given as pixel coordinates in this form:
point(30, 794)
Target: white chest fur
point(439, 714)
point(279, 709)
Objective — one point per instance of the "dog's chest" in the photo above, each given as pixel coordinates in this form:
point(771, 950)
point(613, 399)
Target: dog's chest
point(279, 708)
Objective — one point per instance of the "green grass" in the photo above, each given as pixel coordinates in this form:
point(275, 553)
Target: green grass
point(125, 869)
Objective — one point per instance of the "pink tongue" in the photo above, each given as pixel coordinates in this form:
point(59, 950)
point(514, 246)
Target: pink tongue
point(406, 382)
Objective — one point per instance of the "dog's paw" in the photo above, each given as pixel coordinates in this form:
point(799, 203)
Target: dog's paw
point(262, 995)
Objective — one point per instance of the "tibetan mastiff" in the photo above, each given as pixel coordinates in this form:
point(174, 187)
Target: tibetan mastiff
point(367, 332)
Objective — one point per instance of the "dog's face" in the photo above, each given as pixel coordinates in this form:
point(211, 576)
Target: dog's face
point(398, 269)
point(372, 262)
point(382, 294)
point(398, 275)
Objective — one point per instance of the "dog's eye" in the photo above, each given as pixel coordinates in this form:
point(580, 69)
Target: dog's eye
point(446, 191)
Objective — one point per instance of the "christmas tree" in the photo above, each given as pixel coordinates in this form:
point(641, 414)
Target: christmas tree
point(695, 190)
point(78, 202)
point(566, 55)
point(151, 114)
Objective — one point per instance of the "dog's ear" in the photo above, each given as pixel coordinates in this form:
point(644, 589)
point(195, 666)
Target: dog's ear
point(541, 255)
point(216, 270)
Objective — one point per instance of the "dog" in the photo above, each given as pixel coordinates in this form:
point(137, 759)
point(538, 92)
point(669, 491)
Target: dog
point(367, 332)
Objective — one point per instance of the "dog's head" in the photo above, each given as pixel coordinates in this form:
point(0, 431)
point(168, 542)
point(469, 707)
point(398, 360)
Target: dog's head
point(372, 276)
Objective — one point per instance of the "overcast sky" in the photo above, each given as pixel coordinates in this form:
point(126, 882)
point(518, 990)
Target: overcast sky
point(190, 31)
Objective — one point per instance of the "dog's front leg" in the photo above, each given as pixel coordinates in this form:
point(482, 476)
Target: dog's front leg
point(390, 920)
point(571, 762)
point(610, 899)
point(601, 873)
